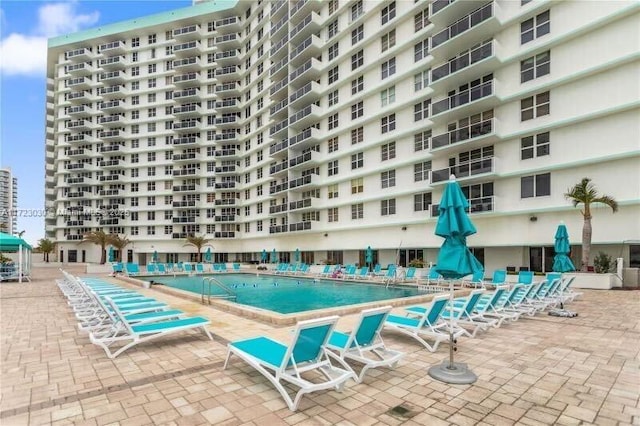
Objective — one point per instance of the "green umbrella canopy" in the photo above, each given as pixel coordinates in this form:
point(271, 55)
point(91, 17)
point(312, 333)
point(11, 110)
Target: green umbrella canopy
point(11, 243)
point(562, 262)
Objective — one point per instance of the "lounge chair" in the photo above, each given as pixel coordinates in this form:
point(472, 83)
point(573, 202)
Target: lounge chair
point(410, 274)
point(428, 323)
point(525, 277)
point(432, 278)
point(123, 331)
point(476, 281)
point(363, 273)
point(365, 340)
point(499, 277)
point(132, 269)
point(161, 268)
point(199, 268)
point(467, 314)
point(117, 268)
point(188, 268)
point(236, 267)
point(280, 363)
point(350, 272)
point(377, 270)
point(326, 271)
point(151, 269)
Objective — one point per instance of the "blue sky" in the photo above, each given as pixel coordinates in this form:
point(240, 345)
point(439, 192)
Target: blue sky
point(24, 29)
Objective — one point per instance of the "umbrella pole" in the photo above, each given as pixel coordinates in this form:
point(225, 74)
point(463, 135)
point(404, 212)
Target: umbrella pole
point(452, 341)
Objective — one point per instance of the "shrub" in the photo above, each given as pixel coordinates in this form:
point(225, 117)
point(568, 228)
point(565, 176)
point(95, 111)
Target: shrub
point(416, 263)
point(603, 263)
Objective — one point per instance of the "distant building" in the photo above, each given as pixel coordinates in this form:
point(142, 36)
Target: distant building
point(329, 126)
point(8, 201)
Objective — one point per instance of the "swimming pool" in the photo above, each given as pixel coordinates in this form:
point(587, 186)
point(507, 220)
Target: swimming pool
point(287, 295)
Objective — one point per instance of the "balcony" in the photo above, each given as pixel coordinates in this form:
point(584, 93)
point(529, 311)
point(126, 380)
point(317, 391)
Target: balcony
point(74, 237)
point(184, 219)
point(465, 67)
point(306, 94)
point(278, 86)
point(113, 62)
point(109, 192)
point(457, 35)
point(305, 139)
point(277, 8)
point(304, 5)
point(182, 235)
point(81, 180)
point(116, 105)
point(275, 28)
point(228, 89)
point(112, 92)
point(444, 12)
point(110, 221)
point(114, 47)
point(231, 23)
point(79, 153)
point(186, 172)
point(82, 54)
point(278, 229)
point(190, 32)
point(186, 79)
point(306, 116)
point(277, 48)
point(186, 140)
point(226, 153)
point(469, 133)
point(189, 48)
point(227, 185)
point(469, 98)
point(79, 83)
point(279, 128)
point(228, 57)
point(184, 203)
point(229, 218)
point(185, 188)
point(82, 68)
point(114, 163)
point(483, 167)
point(280, 147)
point(278, 209)
point(186, 156)
point(187, 110)
point(225, 136)
point(111, 178)
point(228, 41)
point(79, 125)
point(112, 120)
point(278, 188)
point(311, 47)
point(80, 111)
point(232, 103)
point(187, 126)
point(225, 202)
point(307, 159)
point(227, 169)
point(78, 194)
point(305, 182)
point(311, 24)
point(304, 205)
point(276, 70)
point(476, 205)
point(230, 72)
point(310, 70)
point(300, 226)
point(187, 64)
point(79, 138)
point(227, 121)
point(279, 169)
point(112, 135)
point(82, 97)
point(224, 234)
point(191, 93)
point(280, 107)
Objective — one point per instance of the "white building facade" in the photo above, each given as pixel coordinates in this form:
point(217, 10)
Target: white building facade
point(8, 201)
point(330, 126)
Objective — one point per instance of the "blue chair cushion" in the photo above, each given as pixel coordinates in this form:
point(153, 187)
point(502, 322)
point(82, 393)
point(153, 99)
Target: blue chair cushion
point(266, 350)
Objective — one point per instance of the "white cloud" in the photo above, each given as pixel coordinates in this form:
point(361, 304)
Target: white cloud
point(26, 54)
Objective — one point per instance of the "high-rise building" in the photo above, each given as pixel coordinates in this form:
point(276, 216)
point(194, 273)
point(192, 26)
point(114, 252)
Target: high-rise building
point(8, 201)
point(330, 126)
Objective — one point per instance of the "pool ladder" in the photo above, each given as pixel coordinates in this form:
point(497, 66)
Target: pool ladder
point(211, 280)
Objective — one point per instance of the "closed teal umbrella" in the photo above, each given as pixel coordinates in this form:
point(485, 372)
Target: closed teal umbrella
point(274, 256)
point(455, 260)
point(561, 261)
point(368, 256)
point(155, 257)
point(296, 255)
point(111, 255)
point(264, 256)
point(207, 255)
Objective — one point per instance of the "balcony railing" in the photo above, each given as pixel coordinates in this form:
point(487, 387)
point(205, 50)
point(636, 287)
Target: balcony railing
point(188, 203)
point(465, 97)
point(185, 141)
point(462, 134)
point(226, 185)
point(438, 5)
point(476, 55)
point(280, 146)
point(472, 168)
point(278, 188)
point(476, 205)
point(225, 202)
point(278, 168)
point(278, 229)
point(230, 218)
point(462, 25)
point(301, 204)
point(224, 234)
point(184, 219)
point(278, 209)
point(300, 226)
point(304, 180)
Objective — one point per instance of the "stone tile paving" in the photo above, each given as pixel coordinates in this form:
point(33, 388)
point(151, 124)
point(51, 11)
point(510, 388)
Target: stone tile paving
point(545, 370)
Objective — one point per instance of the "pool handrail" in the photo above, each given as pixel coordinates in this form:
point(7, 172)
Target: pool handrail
point(210, 280)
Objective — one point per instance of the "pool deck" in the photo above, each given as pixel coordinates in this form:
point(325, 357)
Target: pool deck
point(539, 371)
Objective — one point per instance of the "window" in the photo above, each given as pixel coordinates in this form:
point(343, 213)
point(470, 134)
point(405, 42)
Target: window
point(535, 66)
point(421, 20)
point(151, 127)
point(357, 110)
point(151, 156)
point(332, 214)
point(421, 110)
point(332, 190)
point(388, 207)
point(357, 211)
point(535, 146)
point(357, 135)
point(135, 85)
point(535, 27)
point(422, 202)
point(334, 51)
point(333, 145)
point(333, 121)
point(151, 97)
point(332, 168)
point(332, 29)
point(357, 60)
point(388, 96)
point(333, 75)
point(135, 71)
point(388, 151)
point(388, 123)
point(151, 112)
point(421, 80)
point(388, 13)
point(151, 215)
point(388, 68)
point(151, 83)
point(151, 171)
point(151, 230)
point(535, 186)
point(135, 42)
point(135, 114)
point(421, 50)
point(357, 85)
point(152, 38)
point(151, 68)
point(357, 160)
point(333, 98)
point(333, 6)
point(388, 40)
point(134, 57)
point(357, 34)
point(356, 10)
point(421, 171)
point(388, 179)
point(357, 186)
point(535, 106)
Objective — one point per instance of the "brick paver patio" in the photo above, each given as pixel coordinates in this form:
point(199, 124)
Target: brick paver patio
point(545, 370)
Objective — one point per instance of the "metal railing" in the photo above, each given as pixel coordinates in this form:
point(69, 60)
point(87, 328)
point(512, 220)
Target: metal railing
point(211, 280)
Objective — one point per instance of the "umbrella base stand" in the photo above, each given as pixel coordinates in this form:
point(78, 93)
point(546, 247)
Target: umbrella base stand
point(455, 373)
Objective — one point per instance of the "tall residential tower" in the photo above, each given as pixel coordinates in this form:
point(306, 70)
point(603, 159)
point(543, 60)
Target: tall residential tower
point(8, 201)
point(330, 126)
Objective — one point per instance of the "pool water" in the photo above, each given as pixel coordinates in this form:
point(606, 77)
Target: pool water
point(289, 294)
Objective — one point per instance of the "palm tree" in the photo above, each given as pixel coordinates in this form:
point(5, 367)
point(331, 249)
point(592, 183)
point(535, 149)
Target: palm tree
point(198, 242)
point(119, 243)
point(585, 193)
point(46, 246)
point(99, 238)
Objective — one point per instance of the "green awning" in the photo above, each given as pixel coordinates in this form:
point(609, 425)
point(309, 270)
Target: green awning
point(11, 243)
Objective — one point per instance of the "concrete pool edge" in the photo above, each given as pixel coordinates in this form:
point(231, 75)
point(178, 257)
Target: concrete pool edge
point(278, 319)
